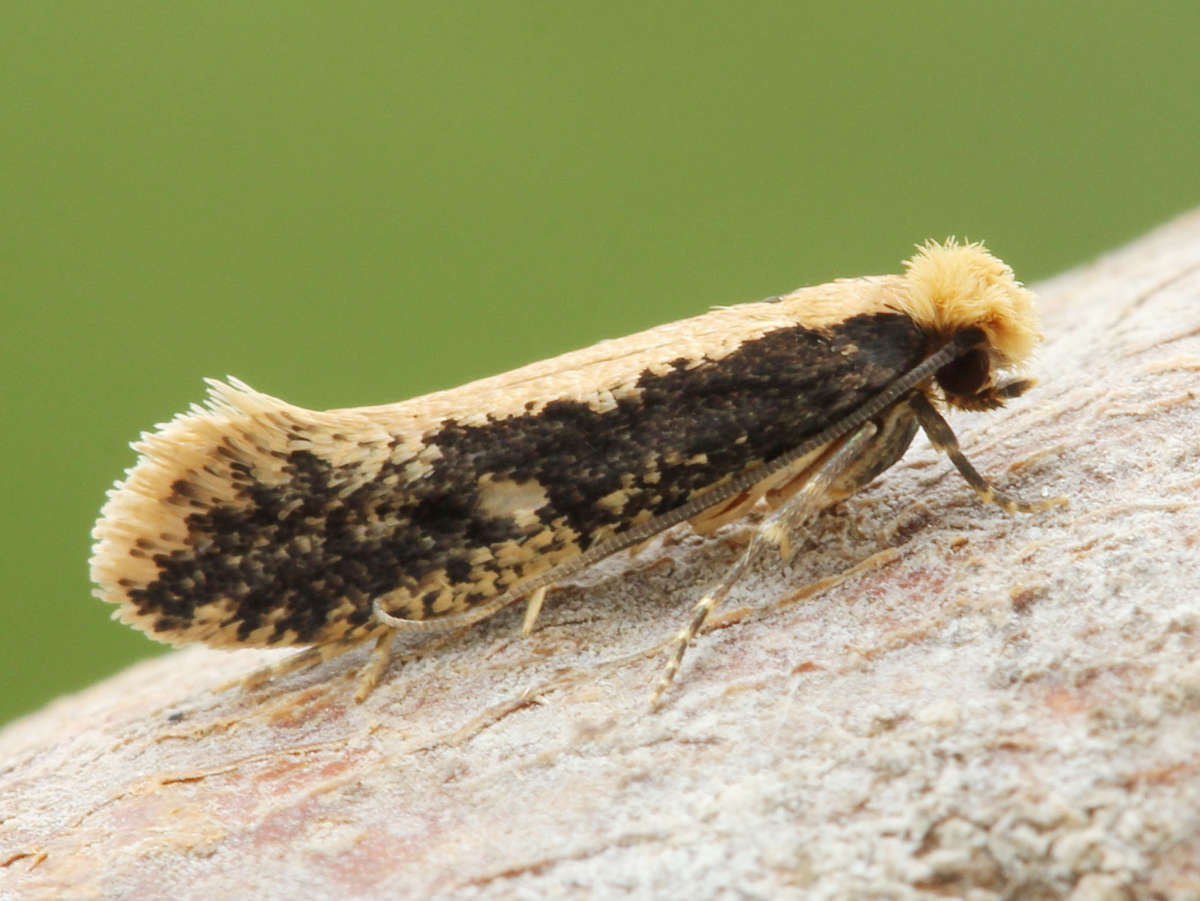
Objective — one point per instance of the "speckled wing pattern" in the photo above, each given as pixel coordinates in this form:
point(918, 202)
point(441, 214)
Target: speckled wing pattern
point(250, 522)
point(305, 535)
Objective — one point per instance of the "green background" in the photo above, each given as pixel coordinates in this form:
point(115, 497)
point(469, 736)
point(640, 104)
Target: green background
point(353, 203)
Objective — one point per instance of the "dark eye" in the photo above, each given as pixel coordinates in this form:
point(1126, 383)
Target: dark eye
point(966, 376)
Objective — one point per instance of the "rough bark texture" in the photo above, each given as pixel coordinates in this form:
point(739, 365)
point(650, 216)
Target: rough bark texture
point(990, 706)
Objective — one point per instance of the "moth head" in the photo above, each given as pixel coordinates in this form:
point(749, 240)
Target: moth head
point(953, 288)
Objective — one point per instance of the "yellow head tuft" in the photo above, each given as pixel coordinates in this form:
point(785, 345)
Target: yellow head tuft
point(952, 286)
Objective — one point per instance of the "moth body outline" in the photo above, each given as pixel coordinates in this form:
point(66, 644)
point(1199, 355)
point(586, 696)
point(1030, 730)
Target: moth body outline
point(250, 522)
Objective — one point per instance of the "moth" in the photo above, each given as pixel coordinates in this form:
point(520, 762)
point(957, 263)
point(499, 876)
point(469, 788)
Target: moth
point(249, 522)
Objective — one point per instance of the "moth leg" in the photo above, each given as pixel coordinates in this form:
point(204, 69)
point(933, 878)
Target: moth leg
point(468, 617)
point(368, 678)
point(532, 609)
point(942, 437)
point(775, 531)
point(304, 660)
point(446, 622)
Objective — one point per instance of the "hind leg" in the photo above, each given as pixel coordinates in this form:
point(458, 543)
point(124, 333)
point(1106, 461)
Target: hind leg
point(318, 654)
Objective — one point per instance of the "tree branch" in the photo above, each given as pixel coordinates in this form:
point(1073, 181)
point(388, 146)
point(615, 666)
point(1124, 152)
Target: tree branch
point(933, 698)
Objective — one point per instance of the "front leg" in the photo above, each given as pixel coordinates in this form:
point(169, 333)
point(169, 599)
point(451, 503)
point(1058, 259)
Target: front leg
point(942, 437)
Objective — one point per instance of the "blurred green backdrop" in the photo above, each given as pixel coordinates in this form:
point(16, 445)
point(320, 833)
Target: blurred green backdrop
point(353, 203)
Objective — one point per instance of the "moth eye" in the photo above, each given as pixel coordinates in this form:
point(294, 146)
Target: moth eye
point(966, 376)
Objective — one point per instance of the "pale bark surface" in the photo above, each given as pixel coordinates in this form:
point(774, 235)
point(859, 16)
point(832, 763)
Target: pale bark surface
point(992, 706)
